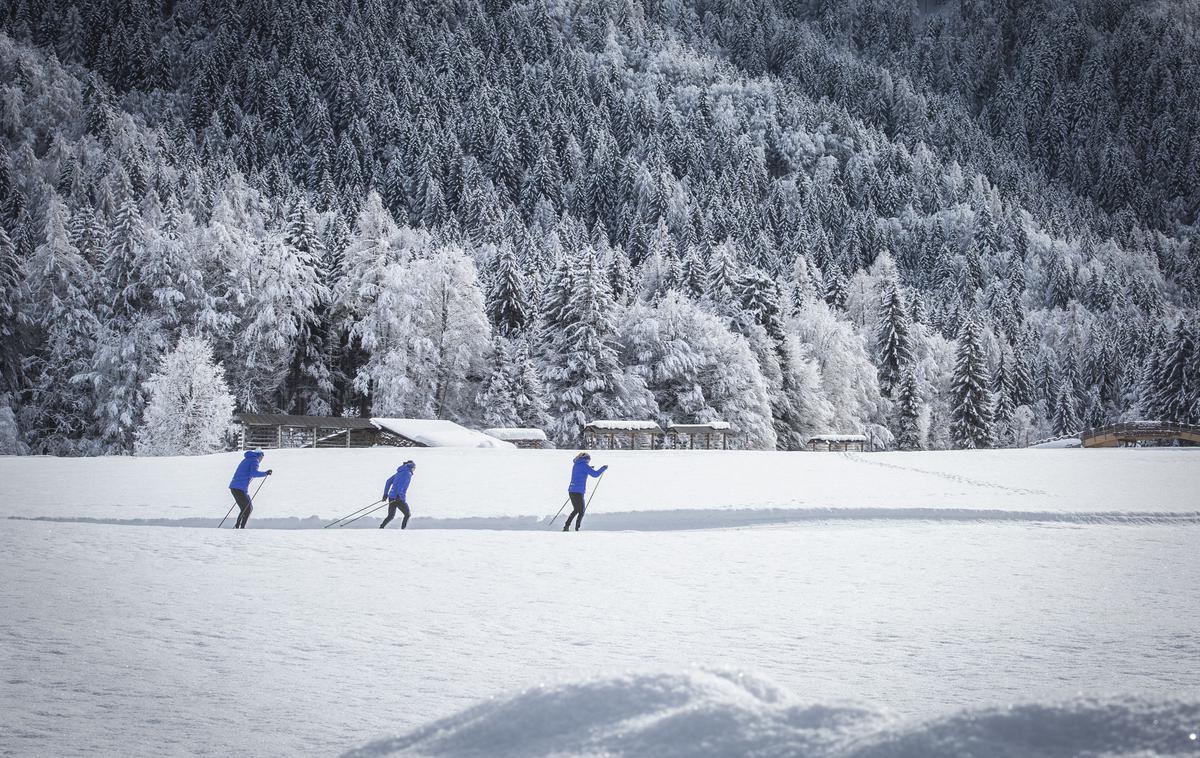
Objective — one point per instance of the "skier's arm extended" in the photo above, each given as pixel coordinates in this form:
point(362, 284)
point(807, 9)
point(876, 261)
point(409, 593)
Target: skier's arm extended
point(597, 472)
point(255, 473)
point(387, 486)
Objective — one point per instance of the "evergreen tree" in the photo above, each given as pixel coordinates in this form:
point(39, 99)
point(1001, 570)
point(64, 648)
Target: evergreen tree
point(583, 374)
point(530, 396)
point(10, 342)
point(892, 338)
point(908, 404)
point(309, 387)
point(189, 409)
point(971, 414)
point(1174, 378)
point(1066, 418)
point(508, 306)
point(498, 395)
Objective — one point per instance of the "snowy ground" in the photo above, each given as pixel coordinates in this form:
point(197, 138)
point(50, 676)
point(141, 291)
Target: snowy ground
point(874, 632)
point(495, 486)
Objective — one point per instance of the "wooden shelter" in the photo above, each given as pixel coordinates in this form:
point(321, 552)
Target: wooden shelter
point(524, 438)
point(711, 436)
point(623, 435)
point(267, 430)
point(837, 443)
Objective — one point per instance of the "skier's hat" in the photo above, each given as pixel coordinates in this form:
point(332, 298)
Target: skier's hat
point(584, 454)
point(409, 463)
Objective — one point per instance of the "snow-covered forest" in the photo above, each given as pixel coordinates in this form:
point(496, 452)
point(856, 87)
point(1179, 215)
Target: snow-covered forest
point(960, 224)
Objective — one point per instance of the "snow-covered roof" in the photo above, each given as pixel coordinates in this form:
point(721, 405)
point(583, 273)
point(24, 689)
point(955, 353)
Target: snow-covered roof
point(838, 438)
point(711, 426)
point(515, 434)
point(623, 426)
point(323, 422)
point(438, 433)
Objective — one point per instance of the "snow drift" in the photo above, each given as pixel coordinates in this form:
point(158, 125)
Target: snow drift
point(719, 714)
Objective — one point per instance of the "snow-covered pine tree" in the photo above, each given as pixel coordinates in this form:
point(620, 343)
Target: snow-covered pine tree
point(428, 337)
point(61, 286)
point(1004, 410)
point(697, 370)
point(497, 396)
point(120, 270)
point(892, 337)
point(1174, 382)
point(908, 411)
point(508, 299)
point(583, 374)
point(189, 408)
point(971, 423)
point(722, 276)
point(309, 387)
point(1066, 418)
point(530, 391)
point(10, 342)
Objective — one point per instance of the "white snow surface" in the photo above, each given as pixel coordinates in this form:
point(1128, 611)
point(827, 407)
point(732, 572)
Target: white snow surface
point(438, 433)
point(989, 603)
point(126, 640)
point(642, 489)
point(1064, 442)
point(715, 714)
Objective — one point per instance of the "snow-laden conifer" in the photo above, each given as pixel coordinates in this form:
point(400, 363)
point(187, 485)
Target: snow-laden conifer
point(189, 408)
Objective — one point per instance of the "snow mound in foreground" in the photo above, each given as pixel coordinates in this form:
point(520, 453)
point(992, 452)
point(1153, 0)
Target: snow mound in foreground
point(717, 714)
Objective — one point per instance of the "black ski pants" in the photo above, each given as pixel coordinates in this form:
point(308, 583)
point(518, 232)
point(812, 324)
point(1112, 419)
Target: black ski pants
point(393, 506)
point(244, 507)
point(576, 511)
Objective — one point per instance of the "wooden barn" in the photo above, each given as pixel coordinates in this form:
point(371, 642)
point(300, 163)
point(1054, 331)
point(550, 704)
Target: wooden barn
point(623, 435)
point(837, 443)
point(267, 430)
point(711, 436)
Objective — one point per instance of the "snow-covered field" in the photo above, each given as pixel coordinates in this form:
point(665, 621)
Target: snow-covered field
point(496, 485)
point(874, 630)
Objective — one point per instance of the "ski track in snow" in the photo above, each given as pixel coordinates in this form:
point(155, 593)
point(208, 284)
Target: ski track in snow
point(679, 520)
point(957, 478)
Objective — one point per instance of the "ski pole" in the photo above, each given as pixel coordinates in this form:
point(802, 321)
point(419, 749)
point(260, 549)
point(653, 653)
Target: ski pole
point(594, 489)
point(560, 510)
point(348, 515)
point(356, 518)
point(227, 515)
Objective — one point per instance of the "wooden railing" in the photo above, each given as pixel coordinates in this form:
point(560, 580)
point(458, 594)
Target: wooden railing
point(1142, 430)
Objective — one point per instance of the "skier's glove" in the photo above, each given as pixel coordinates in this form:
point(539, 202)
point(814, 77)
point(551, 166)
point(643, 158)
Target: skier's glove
point(270, 471)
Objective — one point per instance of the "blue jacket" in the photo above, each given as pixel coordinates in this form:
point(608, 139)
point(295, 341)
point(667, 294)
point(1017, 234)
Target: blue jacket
point(579, 474)
point(246, 470)
point(396, 486)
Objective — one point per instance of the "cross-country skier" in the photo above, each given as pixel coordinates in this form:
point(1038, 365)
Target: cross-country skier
point(246, 470)
point(395, 490)
point(580, 472)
